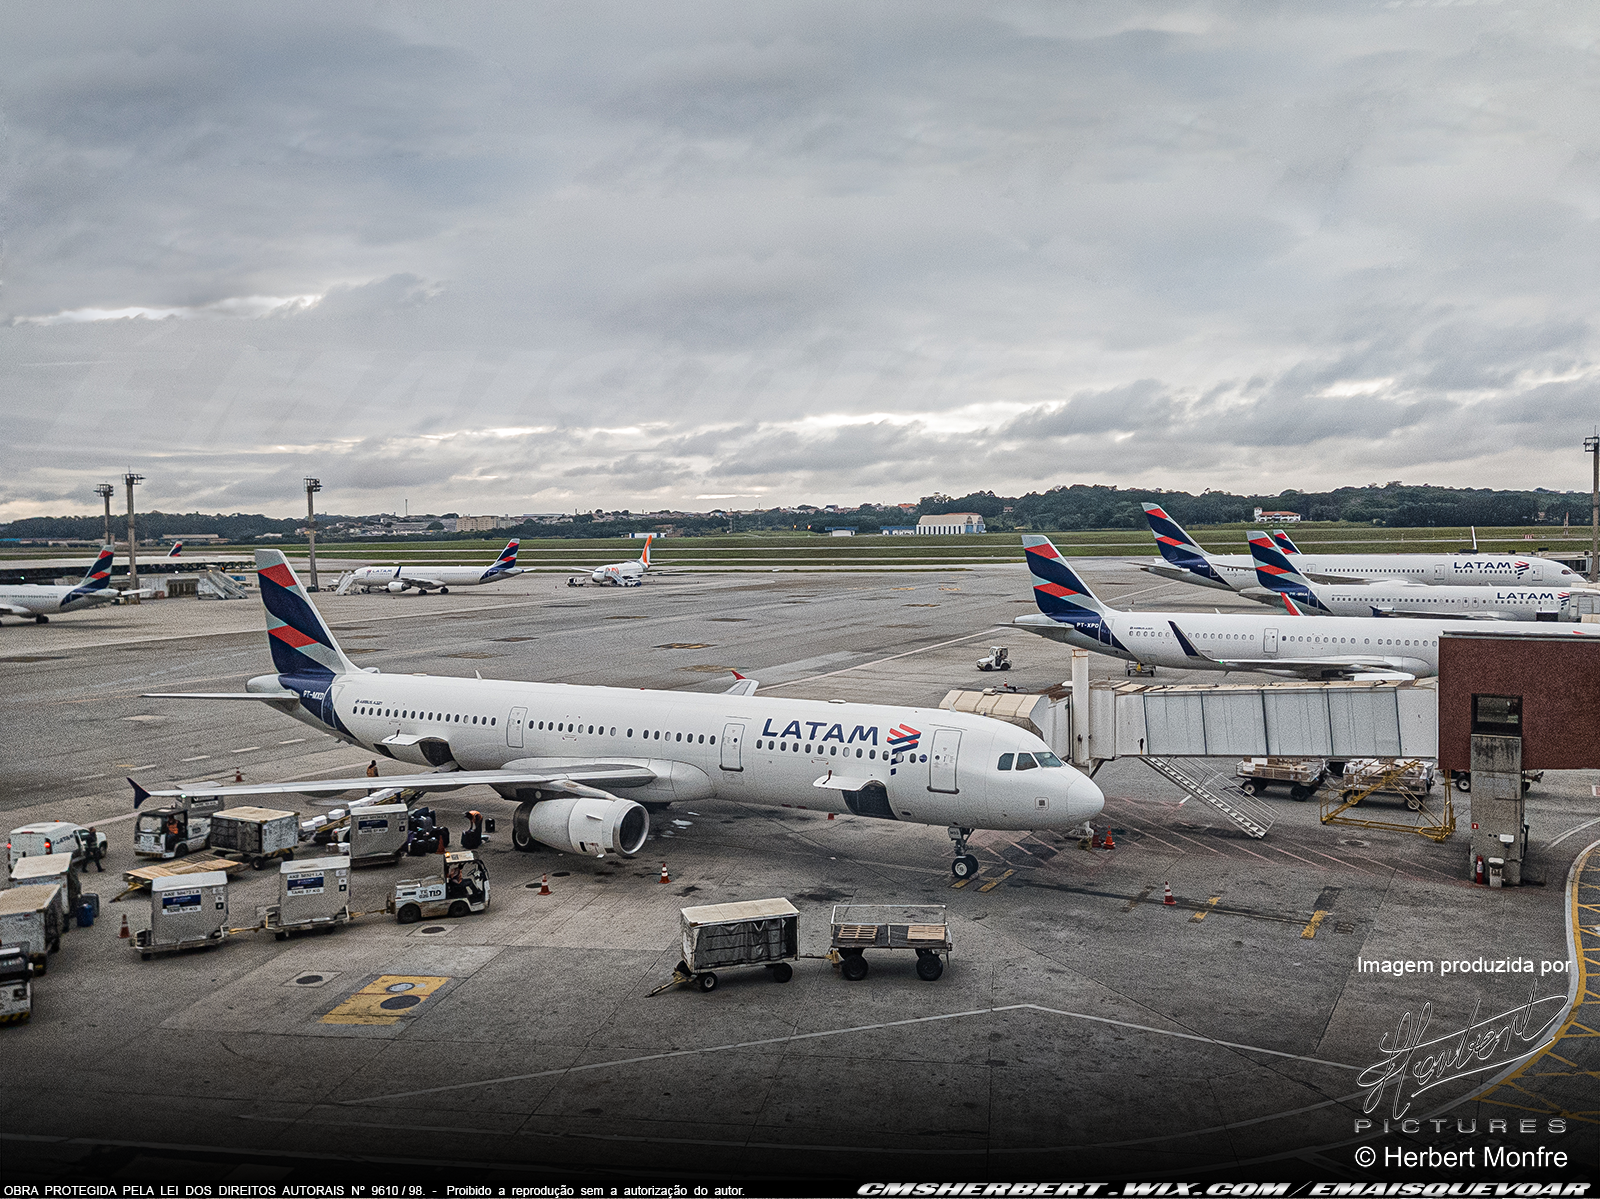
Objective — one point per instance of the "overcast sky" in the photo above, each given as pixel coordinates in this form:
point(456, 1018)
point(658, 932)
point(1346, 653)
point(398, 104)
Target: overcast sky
point(543, 257)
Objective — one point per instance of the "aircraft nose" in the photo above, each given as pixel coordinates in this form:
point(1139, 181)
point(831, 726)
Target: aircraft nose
point(1085, 798)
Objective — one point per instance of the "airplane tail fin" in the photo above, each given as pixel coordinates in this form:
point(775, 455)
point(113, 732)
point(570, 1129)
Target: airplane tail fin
point(99, 574)
point(301, 641)
point(1281, 540)
point(1275, 572)
point(644, 558)
point(1176, 546)
point(508, 557)
point(1056, 587)
point(176, 550)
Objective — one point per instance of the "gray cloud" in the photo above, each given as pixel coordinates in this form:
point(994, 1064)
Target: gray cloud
point(623, 255)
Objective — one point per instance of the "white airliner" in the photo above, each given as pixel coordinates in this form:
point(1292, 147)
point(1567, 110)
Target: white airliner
point(562, 752)
point(41, 600)
point(1186, 562)
point(1318, 647)
point(433, 578)
point(1280, 574)
point(619, 574)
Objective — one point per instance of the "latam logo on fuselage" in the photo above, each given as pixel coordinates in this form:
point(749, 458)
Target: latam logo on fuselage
point(1470, 565)
point(862, 734)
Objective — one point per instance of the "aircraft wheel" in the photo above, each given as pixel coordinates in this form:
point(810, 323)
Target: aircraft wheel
point(522, 840)
point(41, 619)
point(444, 591)
point(965, 866)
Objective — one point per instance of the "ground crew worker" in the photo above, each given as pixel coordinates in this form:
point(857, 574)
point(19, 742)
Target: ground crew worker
point(372, 769)
point(93, 852)
point(172, 831)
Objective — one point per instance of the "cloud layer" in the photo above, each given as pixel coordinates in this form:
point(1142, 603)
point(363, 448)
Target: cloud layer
point(630, 255)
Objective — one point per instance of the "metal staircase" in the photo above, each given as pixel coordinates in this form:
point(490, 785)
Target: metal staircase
point(1201, 780)
point(216, 585)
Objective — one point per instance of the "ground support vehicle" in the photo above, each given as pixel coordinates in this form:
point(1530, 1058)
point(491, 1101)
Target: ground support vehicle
point(16, 985)
point(51, 870)
point(1409, 778)
point(312, 896)
point(187, 911)
point(175, 831)
point(461, 889)
point(55, 836)
point(30, 918)
point(998, 658)
point(1300, 775)
point(859, 927)
point(373, 835)
point(255, 835)
point(723, 936)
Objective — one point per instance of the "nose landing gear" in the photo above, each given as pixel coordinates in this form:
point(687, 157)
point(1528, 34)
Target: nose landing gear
point(966, 865)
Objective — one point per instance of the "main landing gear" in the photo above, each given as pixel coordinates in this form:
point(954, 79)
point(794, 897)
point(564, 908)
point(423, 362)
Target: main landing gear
point(41, 619)
point(965, 866)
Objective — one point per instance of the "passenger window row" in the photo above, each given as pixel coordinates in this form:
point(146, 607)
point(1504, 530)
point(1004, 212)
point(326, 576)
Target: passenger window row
point(567, 726)
point(833, 750)
point(439, 717)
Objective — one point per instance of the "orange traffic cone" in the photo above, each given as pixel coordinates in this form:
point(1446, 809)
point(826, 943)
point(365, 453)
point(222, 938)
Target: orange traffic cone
point(830, 815)
point(238, 774)
point(544, 885)
point(1108, 843)
point(664, 876)
point(124, 933)
point(1169, 901)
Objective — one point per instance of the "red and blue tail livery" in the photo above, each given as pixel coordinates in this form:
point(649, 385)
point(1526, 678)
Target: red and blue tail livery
point(1281, 539)
point(506, 561)
point(1062, 595)
point(177, 550)
point(1275, 572)
point(302, 645)
point(1177, 547)
point(96, 578)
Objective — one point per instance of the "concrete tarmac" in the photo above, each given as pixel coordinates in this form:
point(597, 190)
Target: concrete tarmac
point(1083, 1028)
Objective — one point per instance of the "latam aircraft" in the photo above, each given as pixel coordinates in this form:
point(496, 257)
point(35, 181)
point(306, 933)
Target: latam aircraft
point(1279, 573)
point(1297, 646)
point(433, 578)
point(562, 753)
point(41, 600)
point(1186, 562)
point(620, 574)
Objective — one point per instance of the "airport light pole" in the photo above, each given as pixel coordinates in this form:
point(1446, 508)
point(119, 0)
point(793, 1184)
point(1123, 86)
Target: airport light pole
point(1592, 445)
point(105, 491)
point(312, 487)
point(132, 480)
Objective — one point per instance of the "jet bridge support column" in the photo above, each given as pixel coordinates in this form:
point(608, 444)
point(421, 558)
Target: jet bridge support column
point(1080, 707)
point(1499, 828)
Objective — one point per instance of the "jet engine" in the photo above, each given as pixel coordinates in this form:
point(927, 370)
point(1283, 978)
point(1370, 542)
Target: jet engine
point(395, 587)
point(581, 824)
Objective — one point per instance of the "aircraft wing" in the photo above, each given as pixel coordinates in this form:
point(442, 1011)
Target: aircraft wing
point(1365, 665)
point(420, 581)
point(580, 780)
point(14, 610)
point(271, 697)
point(742, 685)
point(1411, 612)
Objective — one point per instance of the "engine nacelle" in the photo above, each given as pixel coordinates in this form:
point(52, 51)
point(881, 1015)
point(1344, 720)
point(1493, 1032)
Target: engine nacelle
point(395, 587)
point(580, 824)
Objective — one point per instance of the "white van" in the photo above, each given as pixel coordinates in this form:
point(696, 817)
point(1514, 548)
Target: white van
point(53, 836)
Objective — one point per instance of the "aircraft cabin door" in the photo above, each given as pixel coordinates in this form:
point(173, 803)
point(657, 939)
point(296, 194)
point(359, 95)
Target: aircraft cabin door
point(942, 760)
point(514, 726)
point(1438, 570)
point(1269, 641)
point(1536, 572)
point(732, 747)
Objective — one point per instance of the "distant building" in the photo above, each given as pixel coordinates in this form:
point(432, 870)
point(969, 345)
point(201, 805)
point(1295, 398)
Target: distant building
point(196, 538)
point(1277, 518)
point(841, 531)
point(483, 524)
point(951, 523)
point(898, 530)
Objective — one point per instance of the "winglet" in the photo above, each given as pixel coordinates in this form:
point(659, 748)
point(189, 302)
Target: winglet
point(139, 794)
point(742, 685)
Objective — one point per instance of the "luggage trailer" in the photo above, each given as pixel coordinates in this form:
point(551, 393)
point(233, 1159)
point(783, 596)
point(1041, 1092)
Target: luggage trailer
point(725, 936)
point(924, 928)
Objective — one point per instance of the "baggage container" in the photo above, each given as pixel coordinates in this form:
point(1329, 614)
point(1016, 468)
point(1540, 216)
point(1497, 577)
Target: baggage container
point(54, 869)
point(721, 936)
point(16, 985)
point(30, 917)
point(314, 894)
point(256, 835)
point(187, 911)
point(377, 834)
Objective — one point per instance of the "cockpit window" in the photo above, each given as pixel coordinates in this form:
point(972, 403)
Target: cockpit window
point(1046, 758)
point(1005, 762)
point(1025, 762)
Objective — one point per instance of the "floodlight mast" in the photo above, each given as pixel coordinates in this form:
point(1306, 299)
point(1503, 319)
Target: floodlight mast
point(1592, 446)
point(312, 487)
point(132, 480)
point(105, 491)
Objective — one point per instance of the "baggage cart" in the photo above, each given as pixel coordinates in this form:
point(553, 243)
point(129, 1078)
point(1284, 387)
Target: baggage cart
point(723, 936)
point(187, 911)
point(920, 927)
point(52, 869)
point(255, 835)
point(375, 835)
point(1300, 775)
point(16, 985)
point(30, 918)
point(313, 895)
point(461, 889)
point(176, 830)
point(1409, 778)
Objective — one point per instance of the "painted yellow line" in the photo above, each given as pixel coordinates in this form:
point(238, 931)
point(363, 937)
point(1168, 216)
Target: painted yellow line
point(387, 999)
point(1199, 916)
point(991, 885)
point(956, 886)
point(1317, 918)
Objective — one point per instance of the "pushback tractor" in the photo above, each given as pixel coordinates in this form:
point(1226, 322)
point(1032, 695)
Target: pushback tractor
point(461, 890)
